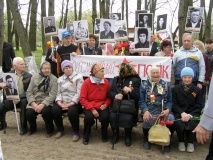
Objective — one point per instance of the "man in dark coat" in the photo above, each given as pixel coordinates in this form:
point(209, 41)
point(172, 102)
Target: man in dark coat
point(7, 57)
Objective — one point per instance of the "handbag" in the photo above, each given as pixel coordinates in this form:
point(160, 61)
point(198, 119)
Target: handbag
point(124, 105)
point(159, 134)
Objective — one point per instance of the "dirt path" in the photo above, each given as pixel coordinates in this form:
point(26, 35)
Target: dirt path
point(38, 147)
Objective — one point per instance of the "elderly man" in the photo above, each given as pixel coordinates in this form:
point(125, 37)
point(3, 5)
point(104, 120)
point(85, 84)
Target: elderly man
point(206, 124)
point(189, 56)
point(23, 80)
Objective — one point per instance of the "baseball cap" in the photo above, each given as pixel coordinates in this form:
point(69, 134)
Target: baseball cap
point(65, 34)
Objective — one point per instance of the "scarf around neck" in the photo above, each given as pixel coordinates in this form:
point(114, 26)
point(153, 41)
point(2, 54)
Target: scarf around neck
point(97, 80)
point(44, 82)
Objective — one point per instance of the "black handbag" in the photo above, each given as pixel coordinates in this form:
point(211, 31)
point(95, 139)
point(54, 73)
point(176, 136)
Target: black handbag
point(124, 106)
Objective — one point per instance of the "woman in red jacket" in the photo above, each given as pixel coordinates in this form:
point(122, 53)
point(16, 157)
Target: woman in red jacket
point(94, 99)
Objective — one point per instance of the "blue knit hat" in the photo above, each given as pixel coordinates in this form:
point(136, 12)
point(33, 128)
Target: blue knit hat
point(187, 71)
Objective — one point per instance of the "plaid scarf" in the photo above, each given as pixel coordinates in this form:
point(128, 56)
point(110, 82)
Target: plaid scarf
point(44, 82)
point(186, 87)
point(127, 70)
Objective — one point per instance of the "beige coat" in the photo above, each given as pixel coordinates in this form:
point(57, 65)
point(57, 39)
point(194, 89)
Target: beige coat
point(38, 96)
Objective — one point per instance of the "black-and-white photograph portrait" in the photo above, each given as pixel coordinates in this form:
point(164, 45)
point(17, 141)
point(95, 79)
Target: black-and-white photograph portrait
point(11, 90)
point(142, 38)
point(194, 19)
point(145, 20)
point(107, 29)
point(81, 31)
point(70, 28)
point(121, 30)
point(115, 16)
point(49, 25)
point(136, 16)
point(161, 23)
point(97, 27)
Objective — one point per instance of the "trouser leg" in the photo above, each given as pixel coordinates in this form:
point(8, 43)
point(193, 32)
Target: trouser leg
point(104, 119)
point(73, 114)
point(210, 155)
point(23, 104)
point(47, 116)
point(2, 116)
point(31, 118)
point(57, 117)
point(145, 133)
point(88, 122)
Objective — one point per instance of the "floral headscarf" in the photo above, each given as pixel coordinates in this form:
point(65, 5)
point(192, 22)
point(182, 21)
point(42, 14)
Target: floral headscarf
point(126, 70)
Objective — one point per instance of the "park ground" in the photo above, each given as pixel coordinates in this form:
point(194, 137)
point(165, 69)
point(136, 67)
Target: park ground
point(38, 147)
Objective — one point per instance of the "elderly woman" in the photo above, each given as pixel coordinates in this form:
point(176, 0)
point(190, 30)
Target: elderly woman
point(41, 94)
point(186, 104)
point(166, 49)
point(155, 100)
point(67, 100)
point(94, 99)
point(124, 85)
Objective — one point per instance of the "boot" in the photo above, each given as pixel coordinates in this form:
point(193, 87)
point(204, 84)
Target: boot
point(128, 133)
point(146, 144)
point(3, 123)
point(24, 127)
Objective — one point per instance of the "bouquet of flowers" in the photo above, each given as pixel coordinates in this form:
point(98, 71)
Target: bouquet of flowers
point(121, 49)
point(48, 44)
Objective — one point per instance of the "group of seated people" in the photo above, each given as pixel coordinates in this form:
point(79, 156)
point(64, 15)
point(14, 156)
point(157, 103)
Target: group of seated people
point(51, 97)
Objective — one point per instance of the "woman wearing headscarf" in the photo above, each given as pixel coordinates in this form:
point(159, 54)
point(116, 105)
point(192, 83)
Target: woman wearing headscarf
point(124, 85)
point(41, 94)
point(187, 100)
point(155, 100)
point(93, 98)
point(67, 100)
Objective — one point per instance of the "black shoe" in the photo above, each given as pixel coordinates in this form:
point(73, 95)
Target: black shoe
point(104, 139)
point(85, 142)
point(32, 132)
point(146, 145)
point(166, 149)
point(3, 126)
point(23, 131)
point(128, 141)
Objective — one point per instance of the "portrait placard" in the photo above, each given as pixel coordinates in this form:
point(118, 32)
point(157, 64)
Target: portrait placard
point(142, 39)
point(81, 33)
point(115, 16)
point(97, 27)
point(145, 20)
point(70, 28)
point(121, 30)
point(161, 23)
point(11, 90)
point(107, 30)
point(60, 31)
point(194, 19)
point(49, 25)
point(136, 16)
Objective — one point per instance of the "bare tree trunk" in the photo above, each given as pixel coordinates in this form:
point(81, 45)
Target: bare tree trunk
point(1, 30)
point(9, 25)
point(80, 9)
point(33, 25)
point(62, 15)
point(20, 28)
point(208, 26)
point(51, 9)
point(28, 15)
point(138, 4)
point(153, 7)
point(16, 40)
point(107, 9)
point(122, 9)
point(102, 8)
point(127, 15)
point(146, 6)
point(43, 14)
point(65, 16)
point(94, 13)
point(183, 8)
point(75, 10)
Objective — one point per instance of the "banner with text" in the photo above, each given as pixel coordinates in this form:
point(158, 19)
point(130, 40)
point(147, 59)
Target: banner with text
point(83, 64)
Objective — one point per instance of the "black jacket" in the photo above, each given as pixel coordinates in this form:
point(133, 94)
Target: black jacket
point(188, 102)
point(7, 56)
point(96, 51)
